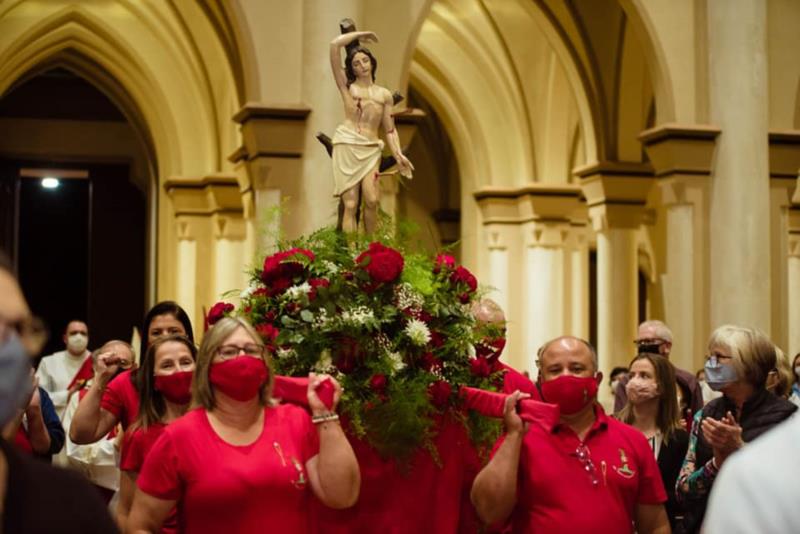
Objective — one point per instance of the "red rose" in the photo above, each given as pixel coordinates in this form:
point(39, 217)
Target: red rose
point(464, 298)
point(268, 333)
point(491, 348)
point(437, 339)
point(347, 354)
point(269, 316)
point(444, 261)
point(218, 311)
point(429, 362)
point(279, 271)
point(422, 315)
point(480, 367)
point(463, 276)
point(315, 283)
point(383, 264)
point(440, 392)
point(378, 383)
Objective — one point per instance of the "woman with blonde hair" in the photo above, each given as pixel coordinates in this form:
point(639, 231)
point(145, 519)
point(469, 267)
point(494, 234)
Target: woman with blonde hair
point(738, 363)
point(652, 407)
point(237, 462)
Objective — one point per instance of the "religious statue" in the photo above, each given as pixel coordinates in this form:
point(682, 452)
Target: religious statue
point(357, 147)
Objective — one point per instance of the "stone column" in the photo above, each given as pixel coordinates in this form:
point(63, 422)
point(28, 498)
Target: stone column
point(529, 237)
point(271, 158)
point(793, 281)
point(784, 160)
point(681, 156)
point(210, 252)
point(739, 210)
point(616, 194)
point(578, 285)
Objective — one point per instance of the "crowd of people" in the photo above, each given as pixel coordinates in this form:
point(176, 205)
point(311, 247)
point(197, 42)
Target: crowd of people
point(192, 440)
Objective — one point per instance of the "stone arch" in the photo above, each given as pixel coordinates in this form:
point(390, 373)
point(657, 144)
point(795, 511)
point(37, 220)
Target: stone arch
point(166, 69)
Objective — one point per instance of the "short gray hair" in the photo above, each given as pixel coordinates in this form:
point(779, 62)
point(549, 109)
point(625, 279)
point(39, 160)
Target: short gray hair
point(543, 349)
point(661, 329)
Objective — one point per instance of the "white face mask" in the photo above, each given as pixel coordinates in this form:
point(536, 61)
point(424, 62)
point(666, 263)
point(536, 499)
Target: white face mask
point(77, 343)
point(797, 372)
point(614, 385)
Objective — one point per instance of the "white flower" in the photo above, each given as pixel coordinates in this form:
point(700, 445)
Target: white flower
point(418, 332)
point(397, 361)
point(330, 267)
point(321, 319)
point(285, 353)
point(406, 297)
point(471, 351)
point(360, 315)
point(247, 292)
point(325, 362)
point(295, 292)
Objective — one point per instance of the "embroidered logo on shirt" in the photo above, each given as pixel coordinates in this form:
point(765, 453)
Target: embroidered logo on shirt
point(624, 471)
point(301, 481)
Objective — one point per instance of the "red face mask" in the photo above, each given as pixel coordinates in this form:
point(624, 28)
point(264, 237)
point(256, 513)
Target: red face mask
point(240, 378)
point(176, 387)
point(570, 393)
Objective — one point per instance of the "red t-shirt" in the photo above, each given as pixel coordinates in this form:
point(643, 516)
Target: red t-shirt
point(121, 399)
point(221, 487)
point(136, 445)
point(555, 491)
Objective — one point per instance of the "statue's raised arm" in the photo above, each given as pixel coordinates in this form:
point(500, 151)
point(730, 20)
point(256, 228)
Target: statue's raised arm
point(357, 146)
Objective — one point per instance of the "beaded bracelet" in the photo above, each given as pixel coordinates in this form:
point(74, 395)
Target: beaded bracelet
point(324, 418)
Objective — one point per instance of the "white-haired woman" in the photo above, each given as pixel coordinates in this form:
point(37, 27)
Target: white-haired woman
point(738, 362)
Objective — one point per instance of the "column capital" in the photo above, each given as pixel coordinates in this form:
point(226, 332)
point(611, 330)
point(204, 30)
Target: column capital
point(616, 193)
point(680, 149)
point(784, 154)
point(794, 230)
point(230, 226)
point(549, 234)
point(216, 193)
point(534, 202)
point(271, 131)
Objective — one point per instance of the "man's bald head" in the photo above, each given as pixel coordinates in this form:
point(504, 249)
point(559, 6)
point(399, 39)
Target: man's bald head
point(566, 354)
point(488, 311)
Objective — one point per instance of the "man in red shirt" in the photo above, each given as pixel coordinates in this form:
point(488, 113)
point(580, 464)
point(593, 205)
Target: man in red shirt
point(586, 473)
point(488, 312)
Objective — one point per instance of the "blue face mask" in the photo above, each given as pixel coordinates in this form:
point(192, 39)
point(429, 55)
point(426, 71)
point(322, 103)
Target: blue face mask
point(15, 378)
point(718, 375)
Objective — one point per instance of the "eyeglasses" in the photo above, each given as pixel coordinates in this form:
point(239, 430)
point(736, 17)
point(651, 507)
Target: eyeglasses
point(228, 352)
point(715, 358)
point(645, 341)
point(582, 452)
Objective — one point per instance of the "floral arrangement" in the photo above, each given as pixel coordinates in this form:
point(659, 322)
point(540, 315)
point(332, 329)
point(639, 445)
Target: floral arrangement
point(393, 325)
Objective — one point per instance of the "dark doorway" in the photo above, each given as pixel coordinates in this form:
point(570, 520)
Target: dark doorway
point(52, 251)
point(79, 249)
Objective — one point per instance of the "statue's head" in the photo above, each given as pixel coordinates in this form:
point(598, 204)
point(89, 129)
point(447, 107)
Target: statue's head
point(357, 53)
